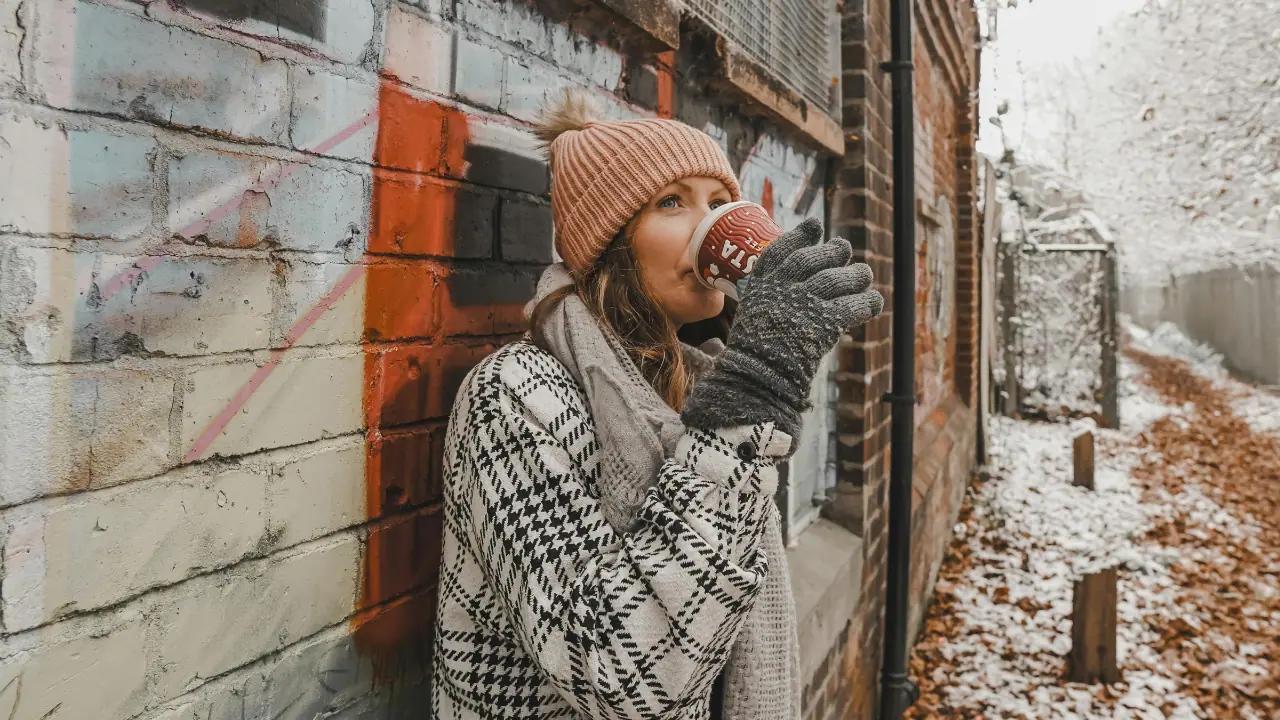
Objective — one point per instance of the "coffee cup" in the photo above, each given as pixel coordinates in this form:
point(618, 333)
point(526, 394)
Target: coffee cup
point(727, 243)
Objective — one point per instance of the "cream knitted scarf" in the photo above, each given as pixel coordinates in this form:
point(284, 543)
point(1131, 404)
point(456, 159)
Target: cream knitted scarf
point(637, 431)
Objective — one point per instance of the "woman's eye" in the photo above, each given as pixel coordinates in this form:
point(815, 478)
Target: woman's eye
point(663, 201)
point(717, 203)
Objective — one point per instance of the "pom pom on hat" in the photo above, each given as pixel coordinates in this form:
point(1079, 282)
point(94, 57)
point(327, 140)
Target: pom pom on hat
point(573, 111)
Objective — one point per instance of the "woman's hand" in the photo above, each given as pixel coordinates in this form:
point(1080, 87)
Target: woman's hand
point(802, 296)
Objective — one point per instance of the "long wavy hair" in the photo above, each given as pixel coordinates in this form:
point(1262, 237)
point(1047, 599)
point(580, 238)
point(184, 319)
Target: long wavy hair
point(615, 294)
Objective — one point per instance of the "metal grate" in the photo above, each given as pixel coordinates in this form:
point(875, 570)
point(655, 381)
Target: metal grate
point(793, 40)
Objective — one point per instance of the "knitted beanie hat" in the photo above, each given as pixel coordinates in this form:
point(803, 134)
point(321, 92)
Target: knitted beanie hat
point(603, 172)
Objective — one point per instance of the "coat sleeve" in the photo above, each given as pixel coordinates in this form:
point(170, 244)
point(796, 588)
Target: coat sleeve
point(631, 625)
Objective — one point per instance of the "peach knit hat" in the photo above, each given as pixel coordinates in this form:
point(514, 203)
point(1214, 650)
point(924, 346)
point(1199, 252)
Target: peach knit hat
point(603, 172)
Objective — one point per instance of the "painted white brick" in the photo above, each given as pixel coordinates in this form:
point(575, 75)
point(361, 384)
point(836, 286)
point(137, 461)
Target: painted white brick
point(319, 209)
point(235, 200)
point(180, 306)
point(348, 30)
point(130, 424)
point(332, 114)
point(320, 677)
point(96, 549)
point(517, 24)
point(194, 305)
point(91, 57)
point(419, 51)
point(11, 34)
point(302, 399)
point(40, 300)
point(72, 181)
point(318, 494)
point(219, 622)
point(87, 427)
point(529, 85)
point(575, 54)
point(235, 696)
point(306, 286)
point(478, 73)
point(98, 670)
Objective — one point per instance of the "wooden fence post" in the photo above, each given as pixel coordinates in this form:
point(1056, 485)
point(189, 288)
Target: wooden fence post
point(1093, 602)
point(1082, 460)
point(1110, 341)
point(1093, 629)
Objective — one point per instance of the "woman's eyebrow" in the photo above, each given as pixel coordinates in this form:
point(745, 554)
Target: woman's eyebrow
point(721, 190)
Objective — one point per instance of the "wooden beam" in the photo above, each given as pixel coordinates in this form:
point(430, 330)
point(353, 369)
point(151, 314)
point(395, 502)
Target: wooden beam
point(779, 99)
point(659, 19)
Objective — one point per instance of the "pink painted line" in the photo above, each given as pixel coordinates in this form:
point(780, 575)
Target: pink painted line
point(126, 277)
point(255, 381)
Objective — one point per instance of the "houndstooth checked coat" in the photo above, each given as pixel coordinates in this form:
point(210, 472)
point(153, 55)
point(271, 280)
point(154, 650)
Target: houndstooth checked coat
point(544, 610)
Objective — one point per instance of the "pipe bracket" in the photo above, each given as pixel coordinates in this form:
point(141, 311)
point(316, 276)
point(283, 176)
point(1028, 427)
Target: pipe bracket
point(891, 65)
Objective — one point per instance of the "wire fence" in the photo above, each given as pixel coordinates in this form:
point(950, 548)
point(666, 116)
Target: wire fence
point(793, 40)
point(1056, 336)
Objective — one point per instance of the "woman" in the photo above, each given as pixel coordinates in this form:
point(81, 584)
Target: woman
point(612, 545)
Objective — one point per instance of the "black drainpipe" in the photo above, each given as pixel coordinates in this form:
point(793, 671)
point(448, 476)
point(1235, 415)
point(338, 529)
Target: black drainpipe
point(897, 692)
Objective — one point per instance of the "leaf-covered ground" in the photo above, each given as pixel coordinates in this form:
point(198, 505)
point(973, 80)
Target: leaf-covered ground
point(1187, 506)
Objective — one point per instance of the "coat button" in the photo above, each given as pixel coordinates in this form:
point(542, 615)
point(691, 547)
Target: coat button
point(747, 451)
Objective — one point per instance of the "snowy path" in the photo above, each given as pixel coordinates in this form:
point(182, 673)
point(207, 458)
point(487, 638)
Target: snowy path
point(1188, 505)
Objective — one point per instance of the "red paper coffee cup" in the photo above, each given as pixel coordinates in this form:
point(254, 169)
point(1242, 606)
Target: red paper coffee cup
point(726, 244)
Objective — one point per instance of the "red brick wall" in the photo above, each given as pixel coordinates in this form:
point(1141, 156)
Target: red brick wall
point(945, 87)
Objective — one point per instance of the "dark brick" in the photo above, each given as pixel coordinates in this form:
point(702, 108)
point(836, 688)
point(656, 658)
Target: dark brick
point(498, 167)
point(407, 467)
point(419, 382)
point(408, 550)
point(473, 229)
point(526, 232)
point(487, 300)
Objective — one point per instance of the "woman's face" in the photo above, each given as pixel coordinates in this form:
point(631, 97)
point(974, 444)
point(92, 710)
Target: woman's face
point(660, 235)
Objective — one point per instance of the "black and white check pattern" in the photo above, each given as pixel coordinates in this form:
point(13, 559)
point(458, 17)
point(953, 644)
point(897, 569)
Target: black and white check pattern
point(545, 611)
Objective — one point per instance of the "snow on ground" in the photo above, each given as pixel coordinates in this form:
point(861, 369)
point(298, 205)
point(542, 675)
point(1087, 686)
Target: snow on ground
point(1260, 407)
point(1261, 410)
point(998, 630)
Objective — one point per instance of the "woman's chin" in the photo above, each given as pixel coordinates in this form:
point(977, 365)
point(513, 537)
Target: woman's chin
point(702, 306)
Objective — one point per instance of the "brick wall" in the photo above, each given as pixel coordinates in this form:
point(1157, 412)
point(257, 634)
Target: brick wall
point(245, 258)
point(947, 245)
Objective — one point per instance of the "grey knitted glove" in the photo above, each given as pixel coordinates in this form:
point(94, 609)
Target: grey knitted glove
point(801, 297)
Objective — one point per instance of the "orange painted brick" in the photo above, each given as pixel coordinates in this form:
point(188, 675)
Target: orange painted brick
point(402, 301)
point(412, 215)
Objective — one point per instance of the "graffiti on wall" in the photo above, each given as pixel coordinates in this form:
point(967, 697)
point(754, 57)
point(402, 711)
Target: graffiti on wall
point(303, 16)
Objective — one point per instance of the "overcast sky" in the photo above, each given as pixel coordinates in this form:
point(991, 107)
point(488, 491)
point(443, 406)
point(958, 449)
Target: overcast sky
point(1029, 37)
